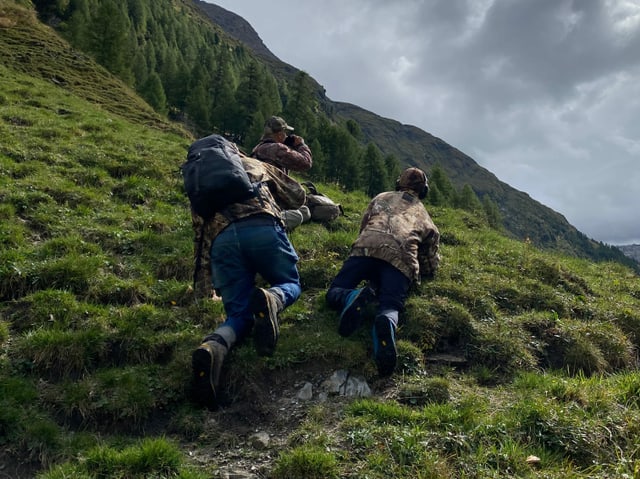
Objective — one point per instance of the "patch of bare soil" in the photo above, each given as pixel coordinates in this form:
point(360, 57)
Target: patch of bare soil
point(244, 438)
point(12, 469)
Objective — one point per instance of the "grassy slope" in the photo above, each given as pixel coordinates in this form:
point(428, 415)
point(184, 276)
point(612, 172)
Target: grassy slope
point(97, 321)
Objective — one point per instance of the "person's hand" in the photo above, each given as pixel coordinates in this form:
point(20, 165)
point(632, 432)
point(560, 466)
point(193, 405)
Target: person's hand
point(293, 140)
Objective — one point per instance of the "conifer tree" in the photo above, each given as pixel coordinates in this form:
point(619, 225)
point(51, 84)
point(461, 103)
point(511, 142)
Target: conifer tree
point(319, 161)
point(439, 179)
point(140, 70)
point(138, 14)
point(300, 107)
point(77, 26)
point(109, 38)
point(153, 93)
point(354, 129)
point(375, 176)
point(246, 99)
point(435, 197)
point(492, 212)
point(343, 155)
point(393, 170)
point(197, 108)
point(222, 95)
point(198, 100)
point(468, 200)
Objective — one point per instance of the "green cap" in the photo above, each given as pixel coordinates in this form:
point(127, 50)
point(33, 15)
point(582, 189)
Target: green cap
point(276, 124)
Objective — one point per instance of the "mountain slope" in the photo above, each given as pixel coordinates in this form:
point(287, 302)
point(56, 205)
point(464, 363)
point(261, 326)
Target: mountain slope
point(523, 217)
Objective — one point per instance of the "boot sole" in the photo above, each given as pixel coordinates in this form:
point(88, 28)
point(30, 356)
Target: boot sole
point(387, 355)
point(265, 333)
point(351, 319)
point(203, 389)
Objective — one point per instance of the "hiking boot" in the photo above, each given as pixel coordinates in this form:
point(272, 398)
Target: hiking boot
point(352, 313)
point(265, 306)
point(206, 362)
point(384, 345)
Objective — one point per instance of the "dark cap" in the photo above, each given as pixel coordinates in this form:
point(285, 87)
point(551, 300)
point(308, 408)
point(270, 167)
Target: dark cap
point(413, 179)
point(276, 124)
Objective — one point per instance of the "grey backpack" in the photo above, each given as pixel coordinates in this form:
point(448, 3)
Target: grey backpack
point(323, 209)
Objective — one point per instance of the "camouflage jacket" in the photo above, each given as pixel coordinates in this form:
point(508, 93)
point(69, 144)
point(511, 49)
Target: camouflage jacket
point(278, 192)
point(278, 154)
point(397, 229)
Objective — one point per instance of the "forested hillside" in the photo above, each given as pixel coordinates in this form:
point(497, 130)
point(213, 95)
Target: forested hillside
point(189, 69)
point(513, 361)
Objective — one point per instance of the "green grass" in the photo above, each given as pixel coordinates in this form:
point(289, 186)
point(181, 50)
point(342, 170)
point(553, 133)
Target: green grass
point(98, 321)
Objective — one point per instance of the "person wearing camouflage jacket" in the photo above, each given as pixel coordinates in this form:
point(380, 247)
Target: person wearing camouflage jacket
point(246, 240)
point(288, 152)
point(397, 245)
point(282, 149)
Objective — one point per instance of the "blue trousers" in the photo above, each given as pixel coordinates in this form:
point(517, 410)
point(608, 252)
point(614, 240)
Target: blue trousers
point(391, 286)
point(256, 245)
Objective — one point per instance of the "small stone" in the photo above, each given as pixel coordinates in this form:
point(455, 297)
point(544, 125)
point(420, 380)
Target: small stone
point(343, 383)
point(235, 474)
point(259, 440)
point(533, 460)
point(306, 392)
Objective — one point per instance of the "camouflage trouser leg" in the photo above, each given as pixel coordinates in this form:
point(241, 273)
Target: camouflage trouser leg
point(202, 285)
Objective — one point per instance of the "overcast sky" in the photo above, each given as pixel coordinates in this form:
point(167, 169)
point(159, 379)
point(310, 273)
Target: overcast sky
point(545, 94)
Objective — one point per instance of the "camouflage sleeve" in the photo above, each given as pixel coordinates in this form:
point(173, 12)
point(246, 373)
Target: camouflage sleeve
point(428, 255)
point(295, 159)
point(201, 260)
point(365, 217)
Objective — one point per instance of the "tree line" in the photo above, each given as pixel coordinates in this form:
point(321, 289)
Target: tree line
point(188, 70)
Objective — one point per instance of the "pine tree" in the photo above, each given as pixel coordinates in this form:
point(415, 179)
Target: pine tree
point(492, 212)
point(198, 102)
point(354, 129)
point(319, 160)
point(222, 95)
point(375, 176)
point(439, 179)
point(435, 197)
point(343, 155)
point(77, 27)
point(246, 98)
point(393, 170)
point(109, 37)
point(153, 93)
point(299, 106)
point(468, 200)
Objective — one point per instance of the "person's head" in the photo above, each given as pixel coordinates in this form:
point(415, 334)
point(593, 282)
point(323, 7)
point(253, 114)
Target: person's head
point(276, 128)
point(413, 179)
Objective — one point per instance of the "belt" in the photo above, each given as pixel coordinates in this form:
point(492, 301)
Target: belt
point(261, 219)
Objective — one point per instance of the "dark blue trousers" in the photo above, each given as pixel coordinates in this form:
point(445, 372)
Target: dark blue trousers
point(391, 286)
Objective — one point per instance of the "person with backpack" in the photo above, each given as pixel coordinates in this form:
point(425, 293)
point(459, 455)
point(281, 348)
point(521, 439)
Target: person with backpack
point(396, 246)
point(247, 238)
point(287, 152)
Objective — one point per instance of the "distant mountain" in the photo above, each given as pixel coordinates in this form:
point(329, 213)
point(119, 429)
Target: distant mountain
point(631, 250)
point(238, 28)
point(523, 217)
